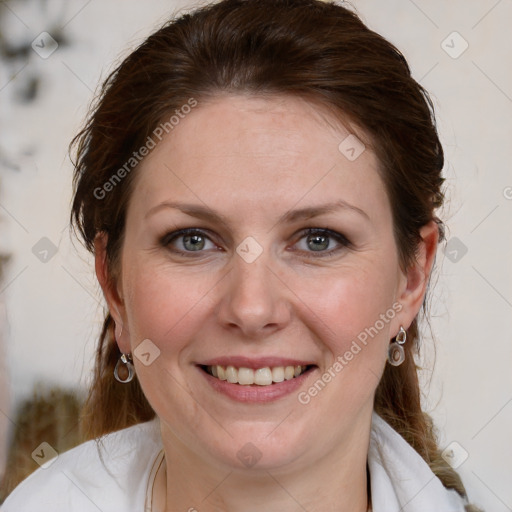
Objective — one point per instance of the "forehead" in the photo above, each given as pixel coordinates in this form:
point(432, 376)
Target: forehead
point(249, 152)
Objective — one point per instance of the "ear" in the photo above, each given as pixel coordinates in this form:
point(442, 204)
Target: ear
point(110, 292)
point(413, 286)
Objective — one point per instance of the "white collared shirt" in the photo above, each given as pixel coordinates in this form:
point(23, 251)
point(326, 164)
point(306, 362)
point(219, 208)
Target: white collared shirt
point(79, 480)
point(401, 481)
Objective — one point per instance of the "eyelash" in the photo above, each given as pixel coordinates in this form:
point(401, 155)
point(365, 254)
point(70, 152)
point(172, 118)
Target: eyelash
point(166, 240)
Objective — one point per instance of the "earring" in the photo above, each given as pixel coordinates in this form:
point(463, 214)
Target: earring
point(396, 353)
point(126, 359)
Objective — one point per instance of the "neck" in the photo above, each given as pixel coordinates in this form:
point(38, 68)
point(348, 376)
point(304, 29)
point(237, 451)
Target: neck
point(232, 493)
point(336, 482)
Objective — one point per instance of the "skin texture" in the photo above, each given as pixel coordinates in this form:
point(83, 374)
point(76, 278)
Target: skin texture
point(252, 160)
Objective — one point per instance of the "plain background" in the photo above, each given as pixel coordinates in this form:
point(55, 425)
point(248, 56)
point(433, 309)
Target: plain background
point(51, 310)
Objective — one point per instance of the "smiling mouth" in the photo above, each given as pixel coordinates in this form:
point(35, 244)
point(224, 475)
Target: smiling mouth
point(266, 376)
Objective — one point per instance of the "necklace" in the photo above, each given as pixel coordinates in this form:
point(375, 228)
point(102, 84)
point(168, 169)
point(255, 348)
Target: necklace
point(155, 502)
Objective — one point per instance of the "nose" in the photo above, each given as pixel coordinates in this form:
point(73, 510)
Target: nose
point(255, 301)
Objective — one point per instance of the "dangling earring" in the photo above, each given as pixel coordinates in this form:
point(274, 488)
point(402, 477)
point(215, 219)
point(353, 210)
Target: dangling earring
point(126, 359)
point(396, 353)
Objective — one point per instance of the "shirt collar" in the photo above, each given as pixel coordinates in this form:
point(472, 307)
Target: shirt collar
point(401, 480)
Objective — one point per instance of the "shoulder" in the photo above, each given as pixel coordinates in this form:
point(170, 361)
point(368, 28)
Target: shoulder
point(400, 479)
point(108, 474)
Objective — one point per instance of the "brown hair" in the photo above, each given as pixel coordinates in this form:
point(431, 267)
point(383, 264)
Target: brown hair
point(315, 50)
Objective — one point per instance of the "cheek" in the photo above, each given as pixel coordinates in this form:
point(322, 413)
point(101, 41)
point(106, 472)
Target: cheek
point(353, 304)
point(164, 304)
point(353, 317)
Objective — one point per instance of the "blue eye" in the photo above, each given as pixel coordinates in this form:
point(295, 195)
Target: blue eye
point(190, 240)
point(318, 242)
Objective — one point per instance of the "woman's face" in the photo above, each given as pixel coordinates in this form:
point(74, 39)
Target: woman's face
point(289, 261)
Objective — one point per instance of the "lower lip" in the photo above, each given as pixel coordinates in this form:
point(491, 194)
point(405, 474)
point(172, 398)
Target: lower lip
point(255, 393)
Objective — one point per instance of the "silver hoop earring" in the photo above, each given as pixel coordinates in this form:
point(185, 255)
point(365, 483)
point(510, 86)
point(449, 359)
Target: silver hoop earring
point(126, 360)
point(396, 353)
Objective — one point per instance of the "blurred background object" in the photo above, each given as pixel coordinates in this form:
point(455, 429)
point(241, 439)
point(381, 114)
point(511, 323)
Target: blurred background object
point(5, 398)
point(44, 425)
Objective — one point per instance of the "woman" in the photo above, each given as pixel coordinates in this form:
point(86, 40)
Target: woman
point(258, 184)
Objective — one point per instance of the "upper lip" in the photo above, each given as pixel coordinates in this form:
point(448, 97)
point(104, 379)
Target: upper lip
point(255, 363)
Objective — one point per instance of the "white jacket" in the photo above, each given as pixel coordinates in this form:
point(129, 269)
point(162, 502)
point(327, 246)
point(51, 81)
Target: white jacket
point(79, 481)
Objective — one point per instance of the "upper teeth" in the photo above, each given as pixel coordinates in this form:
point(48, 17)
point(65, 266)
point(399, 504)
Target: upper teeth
point(262, 376)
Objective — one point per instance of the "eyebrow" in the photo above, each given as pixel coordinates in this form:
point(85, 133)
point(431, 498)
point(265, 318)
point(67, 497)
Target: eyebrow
point(203, 212)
